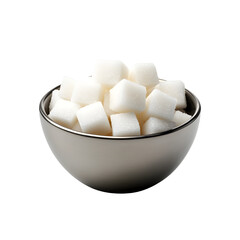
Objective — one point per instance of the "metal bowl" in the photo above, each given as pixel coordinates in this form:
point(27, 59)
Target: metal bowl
point(120, 164)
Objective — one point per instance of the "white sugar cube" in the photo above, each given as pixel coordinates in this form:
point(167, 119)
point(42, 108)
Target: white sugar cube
point(125, 124)
point(156, 125)
point(106, 103)
point(160, 105)
point(181, 118)
point(127, 96)
point(64, 113)
point(66, 88)
point(54, 98)
point(93, 119)
point(175, 89)
point(87, 92)
point(109, 72)
point(144, 74)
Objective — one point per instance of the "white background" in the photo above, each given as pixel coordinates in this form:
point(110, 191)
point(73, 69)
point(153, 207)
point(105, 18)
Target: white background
point(197, 42)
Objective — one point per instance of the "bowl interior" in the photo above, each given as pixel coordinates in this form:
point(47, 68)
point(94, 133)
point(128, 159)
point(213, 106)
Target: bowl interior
point(193, 108)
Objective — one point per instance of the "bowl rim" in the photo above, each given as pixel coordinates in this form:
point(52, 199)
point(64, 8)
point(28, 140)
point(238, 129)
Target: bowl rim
point(190, 121)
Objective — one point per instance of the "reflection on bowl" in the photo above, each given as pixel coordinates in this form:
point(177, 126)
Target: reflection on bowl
point(120, 164)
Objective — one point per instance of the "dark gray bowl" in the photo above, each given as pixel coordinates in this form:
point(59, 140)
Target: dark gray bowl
point(120, 164)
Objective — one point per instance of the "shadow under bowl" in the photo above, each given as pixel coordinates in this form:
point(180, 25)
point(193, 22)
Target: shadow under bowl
point(120, 164)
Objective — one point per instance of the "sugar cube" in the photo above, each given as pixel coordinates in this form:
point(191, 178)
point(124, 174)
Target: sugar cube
point(109, 72)
point(66, 88)
point(144, 74)
point(93, 119)
point(125, 124)
point(181, 118)
point(127, 96)
point(64, 113)
point(156, 125)
point(54, 98)
point(87, 92)
point(160, 105)
point(175, 89)
point(119, 102)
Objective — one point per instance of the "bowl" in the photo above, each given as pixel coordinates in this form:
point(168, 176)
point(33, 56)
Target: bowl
point(120, 164)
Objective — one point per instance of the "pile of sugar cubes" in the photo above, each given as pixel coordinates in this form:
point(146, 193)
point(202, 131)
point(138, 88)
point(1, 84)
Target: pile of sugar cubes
point(119, 101)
